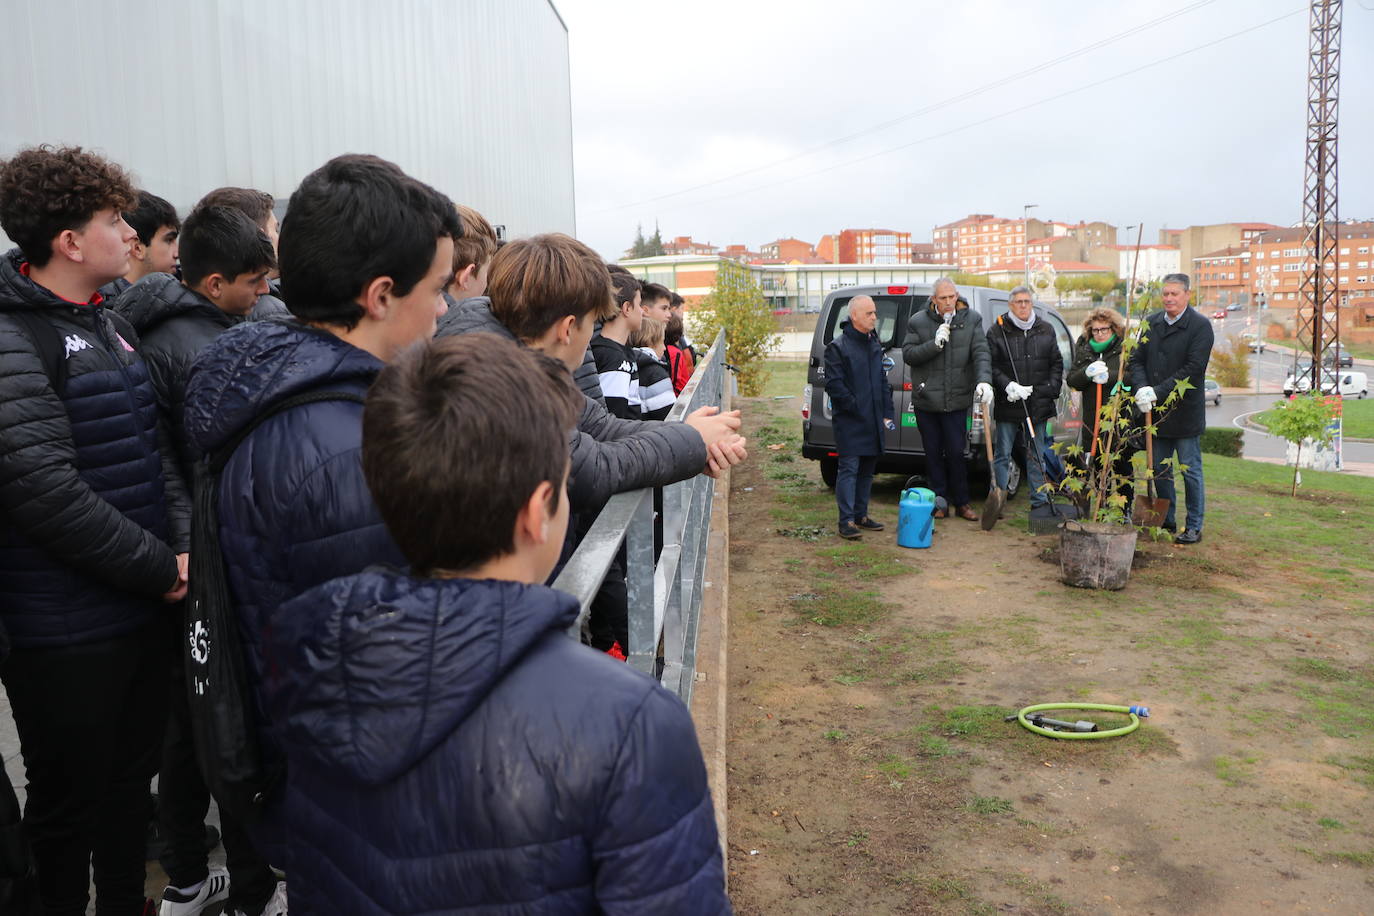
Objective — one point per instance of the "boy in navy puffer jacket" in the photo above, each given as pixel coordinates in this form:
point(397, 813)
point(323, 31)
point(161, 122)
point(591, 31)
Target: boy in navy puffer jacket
point(450, 747)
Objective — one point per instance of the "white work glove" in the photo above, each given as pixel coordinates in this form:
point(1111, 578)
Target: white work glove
point(942, 336)
point(983, 392)
point(1017, 392)
point(1097, 372)
point(1145, 399)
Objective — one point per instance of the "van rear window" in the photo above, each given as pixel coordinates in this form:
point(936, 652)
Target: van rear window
point(890, 311)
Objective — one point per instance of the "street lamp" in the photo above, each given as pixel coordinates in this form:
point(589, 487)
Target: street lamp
point(1025, 240)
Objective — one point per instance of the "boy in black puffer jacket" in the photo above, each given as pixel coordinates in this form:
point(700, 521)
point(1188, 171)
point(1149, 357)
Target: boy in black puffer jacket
point(225, 259)
point(451, 748)
point(86, 567)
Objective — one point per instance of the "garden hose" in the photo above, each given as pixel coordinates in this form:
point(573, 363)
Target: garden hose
point(1030, 717)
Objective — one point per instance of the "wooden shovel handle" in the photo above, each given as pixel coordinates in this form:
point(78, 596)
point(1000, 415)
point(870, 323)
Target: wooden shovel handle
point(987, 433)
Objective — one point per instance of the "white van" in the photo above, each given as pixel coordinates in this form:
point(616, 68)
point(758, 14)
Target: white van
point(1352, 384)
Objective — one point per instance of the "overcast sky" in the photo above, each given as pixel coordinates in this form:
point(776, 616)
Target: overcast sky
point(848, 114)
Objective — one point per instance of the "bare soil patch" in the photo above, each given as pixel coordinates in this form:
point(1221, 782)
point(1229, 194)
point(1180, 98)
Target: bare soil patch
point(871, 772)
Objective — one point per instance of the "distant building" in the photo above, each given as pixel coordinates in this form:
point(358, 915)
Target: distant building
point(739, 253)
point(874, 246)
point(1053, 248)
point(1154, 263)
point(1222, 278)
point(922, 252)
point(795, 286)
point(787, 250)
point(1195, 241)
point(980, 240)
point(683, 244)
point(1279, 258)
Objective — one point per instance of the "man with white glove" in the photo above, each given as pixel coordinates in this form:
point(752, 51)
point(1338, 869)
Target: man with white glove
point(1028, 370)
point(1176, 345)
point(948, 354)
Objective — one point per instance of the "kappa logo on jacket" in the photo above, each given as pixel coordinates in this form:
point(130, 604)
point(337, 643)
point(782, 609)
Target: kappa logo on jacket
point(75, 344)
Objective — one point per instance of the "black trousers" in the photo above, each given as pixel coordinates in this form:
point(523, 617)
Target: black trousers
point(609, 614)
point(90, 721)
point(183, 802)
point(944, 437)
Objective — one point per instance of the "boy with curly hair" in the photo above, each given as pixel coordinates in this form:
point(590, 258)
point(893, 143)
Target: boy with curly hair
point(88, 557)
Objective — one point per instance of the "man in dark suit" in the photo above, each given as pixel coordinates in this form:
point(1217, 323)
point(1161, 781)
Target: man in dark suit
point(863, 409)
point(1177, 345)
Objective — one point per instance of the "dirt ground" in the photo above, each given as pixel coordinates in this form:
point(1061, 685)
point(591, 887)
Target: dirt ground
point(871, 771)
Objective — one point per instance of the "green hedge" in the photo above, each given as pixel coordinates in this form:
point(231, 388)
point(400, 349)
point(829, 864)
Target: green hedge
point(1222, 440)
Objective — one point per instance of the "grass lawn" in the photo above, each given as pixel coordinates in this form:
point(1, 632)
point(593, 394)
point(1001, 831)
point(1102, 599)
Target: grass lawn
point(874, 679)
point(1357, 418)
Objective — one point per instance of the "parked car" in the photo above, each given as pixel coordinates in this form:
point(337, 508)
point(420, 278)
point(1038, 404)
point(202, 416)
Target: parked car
point(1339, 357)
point(1255, 342)
point(1211, 391)
point(904, 452)
point(1300, 379)
point(1234, 307)
point(1219, 313)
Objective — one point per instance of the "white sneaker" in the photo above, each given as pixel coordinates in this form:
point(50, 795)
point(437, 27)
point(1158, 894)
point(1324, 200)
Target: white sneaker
point(214, 890)
point(276, 906)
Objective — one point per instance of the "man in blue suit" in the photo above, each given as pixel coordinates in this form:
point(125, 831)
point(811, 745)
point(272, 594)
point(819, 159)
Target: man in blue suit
point(862, 409)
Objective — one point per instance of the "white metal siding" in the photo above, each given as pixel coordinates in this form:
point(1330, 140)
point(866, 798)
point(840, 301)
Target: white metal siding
point(471, 96)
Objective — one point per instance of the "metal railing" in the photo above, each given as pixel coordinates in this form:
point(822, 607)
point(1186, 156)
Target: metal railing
point(664, 599)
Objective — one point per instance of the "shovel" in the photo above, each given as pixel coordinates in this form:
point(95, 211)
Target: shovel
point(1150, 510)
point(997, 497)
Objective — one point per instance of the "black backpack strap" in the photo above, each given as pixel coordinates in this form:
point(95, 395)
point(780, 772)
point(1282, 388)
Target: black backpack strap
point(47, 340)
point(221, 456)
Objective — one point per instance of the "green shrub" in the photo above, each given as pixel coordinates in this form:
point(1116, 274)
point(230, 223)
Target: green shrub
point(736, 303)
point(1231, 363)
point(1221, 440)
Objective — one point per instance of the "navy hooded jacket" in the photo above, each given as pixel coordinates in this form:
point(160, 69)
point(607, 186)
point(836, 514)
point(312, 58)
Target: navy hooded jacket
point(294, 509)
point(859, 391)
point(83, 506)
point(452, 750)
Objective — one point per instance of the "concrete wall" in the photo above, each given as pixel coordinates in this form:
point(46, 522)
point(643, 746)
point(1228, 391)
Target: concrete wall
point(473, 98)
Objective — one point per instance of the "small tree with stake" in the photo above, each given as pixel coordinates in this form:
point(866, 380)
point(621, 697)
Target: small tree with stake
point(736, 303)
point(1300, 418)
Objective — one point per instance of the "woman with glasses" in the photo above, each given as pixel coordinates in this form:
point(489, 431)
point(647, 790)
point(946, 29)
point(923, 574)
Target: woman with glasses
point(1097, 365)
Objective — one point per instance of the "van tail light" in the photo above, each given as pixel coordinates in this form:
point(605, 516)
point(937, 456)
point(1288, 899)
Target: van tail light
point(897, 290)
point(806, 403)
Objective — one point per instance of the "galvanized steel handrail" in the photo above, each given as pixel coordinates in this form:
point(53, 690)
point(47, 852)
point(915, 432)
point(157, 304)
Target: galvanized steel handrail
point(664, 599)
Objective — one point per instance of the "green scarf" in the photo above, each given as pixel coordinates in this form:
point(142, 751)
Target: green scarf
point(1103, 346)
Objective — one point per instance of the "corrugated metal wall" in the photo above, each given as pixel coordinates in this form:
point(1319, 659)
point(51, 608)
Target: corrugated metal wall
point(471, 96)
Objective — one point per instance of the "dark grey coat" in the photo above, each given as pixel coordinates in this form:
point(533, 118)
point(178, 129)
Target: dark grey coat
point(609, 455)
point(943, 378)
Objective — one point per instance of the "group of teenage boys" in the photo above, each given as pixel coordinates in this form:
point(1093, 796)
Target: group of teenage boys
point(385, 539)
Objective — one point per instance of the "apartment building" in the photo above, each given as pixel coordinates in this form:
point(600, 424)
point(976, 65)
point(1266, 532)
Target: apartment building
point(980, 240)
point(683, 244)
point(1153, 263)
point(1222, 278)
point(1279, 259)
point(787, 250)
point(1195, 241)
